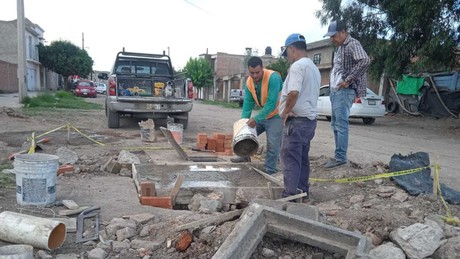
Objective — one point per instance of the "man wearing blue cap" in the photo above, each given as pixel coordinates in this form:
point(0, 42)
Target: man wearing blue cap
point(299, 98)
point(348, 80)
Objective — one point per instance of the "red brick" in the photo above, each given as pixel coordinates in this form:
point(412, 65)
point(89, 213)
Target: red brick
point(148, 189)
point(219, 136)
point(161, 202)
point(211, 144)
point(65, 168)
point(185, 239)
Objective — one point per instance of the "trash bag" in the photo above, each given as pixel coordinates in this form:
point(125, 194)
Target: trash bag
point(420, 182)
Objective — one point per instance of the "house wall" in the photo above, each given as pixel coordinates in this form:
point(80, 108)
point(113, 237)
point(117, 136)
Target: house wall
point(36, 77)
point(8, 77)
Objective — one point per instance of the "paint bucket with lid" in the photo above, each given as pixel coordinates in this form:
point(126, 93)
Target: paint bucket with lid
point(245, 140)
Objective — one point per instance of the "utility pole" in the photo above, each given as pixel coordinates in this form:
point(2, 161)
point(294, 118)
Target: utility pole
point(83, 41)
point(22, 80)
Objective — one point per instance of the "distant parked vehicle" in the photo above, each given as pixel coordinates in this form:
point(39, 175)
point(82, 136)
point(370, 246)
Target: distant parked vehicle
point(237, 95)
point(85, 88)
point(101, 88)
point(367, 108)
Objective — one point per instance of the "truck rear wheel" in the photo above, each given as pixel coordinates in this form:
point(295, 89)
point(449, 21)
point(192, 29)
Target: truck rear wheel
point(113, 119)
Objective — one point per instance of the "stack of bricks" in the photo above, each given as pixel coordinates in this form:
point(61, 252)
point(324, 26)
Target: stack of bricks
point(218, 142)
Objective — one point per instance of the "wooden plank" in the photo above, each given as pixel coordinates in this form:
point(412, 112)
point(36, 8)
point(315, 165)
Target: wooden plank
point(215, 220)
point(175, 190)
point(270, 190)
point(293, 197)
point(268, 177)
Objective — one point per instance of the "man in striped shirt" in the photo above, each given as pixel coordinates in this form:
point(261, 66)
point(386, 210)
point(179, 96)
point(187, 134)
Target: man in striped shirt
point(348, 81)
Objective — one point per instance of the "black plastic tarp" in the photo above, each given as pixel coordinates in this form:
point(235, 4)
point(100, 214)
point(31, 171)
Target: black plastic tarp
point(430, 105)
point(420, 182)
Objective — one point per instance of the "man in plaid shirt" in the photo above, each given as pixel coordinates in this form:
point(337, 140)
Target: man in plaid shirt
point(348, 81)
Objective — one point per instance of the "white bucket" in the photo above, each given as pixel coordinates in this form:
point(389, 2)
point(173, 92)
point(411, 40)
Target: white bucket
point(36, 178)
point(17, 252)
point(177, 130)
point(245, 140)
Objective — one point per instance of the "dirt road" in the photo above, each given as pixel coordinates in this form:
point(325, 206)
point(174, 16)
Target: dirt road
point(393, 134)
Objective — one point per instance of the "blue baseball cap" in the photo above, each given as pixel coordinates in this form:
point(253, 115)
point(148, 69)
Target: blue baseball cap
point(295, 37)
point(334, 27)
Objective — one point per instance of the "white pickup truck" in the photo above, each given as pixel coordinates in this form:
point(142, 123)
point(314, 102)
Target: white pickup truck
point(144, 86)
point(237, 95)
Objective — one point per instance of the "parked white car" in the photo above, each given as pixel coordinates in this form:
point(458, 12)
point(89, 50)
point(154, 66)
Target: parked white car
point(366, 108)
point(101, 88)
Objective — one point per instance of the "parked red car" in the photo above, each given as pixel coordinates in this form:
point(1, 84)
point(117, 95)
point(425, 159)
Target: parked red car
point(85, 88)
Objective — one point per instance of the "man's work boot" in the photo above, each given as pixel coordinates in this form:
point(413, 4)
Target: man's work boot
point(240, 159)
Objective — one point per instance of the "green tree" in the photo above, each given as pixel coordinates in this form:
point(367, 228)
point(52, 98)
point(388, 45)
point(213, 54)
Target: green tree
point(401, 36)
point(281, 66)
point(66, 59)
point(200, 71)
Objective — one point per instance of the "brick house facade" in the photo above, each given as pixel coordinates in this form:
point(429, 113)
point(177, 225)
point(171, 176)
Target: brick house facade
point(38, 78)
point(230, 70)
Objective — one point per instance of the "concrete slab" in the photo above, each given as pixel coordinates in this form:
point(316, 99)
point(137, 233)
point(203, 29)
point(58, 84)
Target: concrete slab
point(114, 202)
point(257, 220)
point(239, 183)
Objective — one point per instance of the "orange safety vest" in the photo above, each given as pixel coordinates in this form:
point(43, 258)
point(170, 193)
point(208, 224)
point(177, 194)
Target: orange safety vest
point(264, 93)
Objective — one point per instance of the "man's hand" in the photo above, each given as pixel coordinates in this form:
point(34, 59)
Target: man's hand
point(251, 123)
point(344, 84)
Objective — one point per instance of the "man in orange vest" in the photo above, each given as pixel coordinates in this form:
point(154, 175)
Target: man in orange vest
point(263, 89)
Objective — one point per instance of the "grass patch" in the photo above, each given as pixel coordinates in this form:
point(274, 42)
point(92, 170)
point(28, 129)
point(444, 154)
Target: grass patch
point(60, 99)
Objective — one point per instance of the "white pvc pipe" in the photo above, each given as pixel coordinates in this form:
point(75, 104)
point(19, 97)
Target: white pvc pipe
point(35, 231)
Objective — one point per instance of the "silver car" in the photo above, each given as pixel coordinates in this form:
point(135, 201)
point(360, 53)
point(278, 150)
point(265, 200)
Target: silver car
point(366, 108)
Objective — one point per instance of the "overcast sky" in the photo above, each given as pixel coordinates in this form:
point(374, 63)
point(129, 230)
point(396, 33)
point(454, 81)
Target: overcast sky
point(187, 27)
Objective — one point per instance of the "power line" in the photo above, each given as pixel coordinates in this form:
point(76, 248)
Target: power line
point(196, 6)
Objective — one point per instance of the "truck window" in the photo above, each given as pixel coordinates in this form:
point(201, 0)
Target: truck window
point(162, 69)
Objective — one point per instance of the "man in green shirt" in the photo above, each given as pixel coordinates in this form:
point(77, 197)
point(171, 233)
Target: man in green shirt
point(263, 89)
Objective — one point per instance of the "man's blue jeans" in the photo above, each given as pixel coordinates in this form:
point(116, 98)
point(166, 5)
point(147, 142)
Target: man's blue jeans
point(273, 128)
point(295, 148)
point(341, 101)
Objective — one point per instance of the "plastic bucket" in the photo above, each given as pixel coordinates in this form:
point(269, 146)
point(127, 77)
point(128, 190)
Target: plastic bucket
point(17, 252)
point(177, 130)
point(36, 178)
point(245, 140)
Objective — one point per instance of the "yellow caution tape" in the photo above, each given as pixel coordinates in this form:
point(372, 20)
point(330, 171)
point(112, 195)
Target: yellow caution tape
point(448, 218)
point(370, 177)
point(86, 136)
point(53, 130)
point(32, 145)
